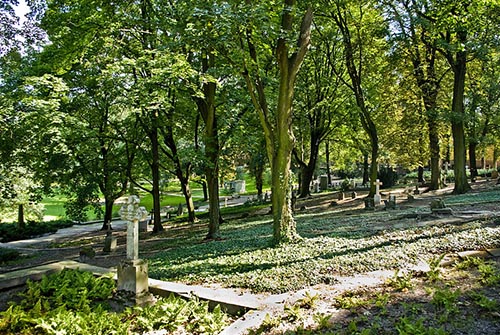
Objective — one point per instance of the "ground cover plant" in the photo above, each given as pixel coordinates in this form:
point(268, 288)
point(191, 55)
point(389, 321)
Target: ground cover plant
point(334, 244)
point(76, 302)
point(464, 299)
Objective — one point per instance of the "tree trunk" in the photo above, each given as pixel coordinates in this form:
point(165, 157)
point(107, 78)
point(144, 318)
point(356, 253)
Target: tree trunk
point(259, 178)
point(366, 176)
point(155, 172)
point(435, 154)
point(420, 175)
point(374, 160)
point(328, 170)
point(108, 213)
point(188, 197)
point(205, 190)
point(206, 107)
point(472, 160)
point(307, 170)
point(21, 224)
point(457, 122)
point(284, 226)
point(278, 128)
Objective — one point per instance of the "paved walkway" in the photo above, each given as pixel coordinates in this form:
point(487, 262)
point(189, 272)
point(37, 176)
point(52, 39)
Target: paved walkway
point(75, 230)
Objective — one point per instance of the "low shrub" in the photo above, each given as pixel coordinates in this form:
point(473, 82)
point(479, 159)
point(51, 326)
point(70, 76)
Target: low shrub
point(7, 255)
point(11, 232)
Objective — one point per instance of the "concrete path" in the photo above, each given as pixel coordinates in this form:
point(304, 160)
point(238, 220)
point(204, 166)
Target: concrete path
point(75, 230)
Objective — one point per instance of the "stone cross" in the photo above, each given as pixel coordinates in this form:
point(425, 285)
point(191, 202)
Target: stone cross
point(376, 198)
point(132, 213)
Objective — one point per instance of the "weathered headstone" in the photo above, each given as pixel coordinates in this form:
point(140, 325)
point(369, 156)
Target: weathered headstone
point(354, 195)
point(133, 272)
point(323, 182)
point(416, 191)
point(369, 203)
point(86, 253)
point(110, 242)
point(438, 207)
point(341, 196)
point(377, 198)
point(316, 187)
point(179, 210)
point(391, 203)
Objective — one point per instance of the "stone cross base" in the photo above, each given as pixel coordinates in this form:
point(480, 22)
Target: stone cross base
point(133, 276)
point(377, 199)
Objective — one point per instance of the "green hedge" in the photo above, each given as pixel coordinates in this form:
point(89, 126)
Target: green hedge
point(11, 232)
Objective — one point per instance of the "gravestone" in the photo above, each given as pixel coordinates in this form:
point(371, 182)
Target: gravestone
point(353, 184)
point(438, 207)
point(391, 203)
point(143, 226)
point(110, 242)
point(86, 253)
point(369, 203)
point(316, 187)
point(377, 198)
point(341, 196)
point(179, 210)
point(323, 182)
point(133, 272)
point(494, 174)
point(354, 195)
point(416, 191)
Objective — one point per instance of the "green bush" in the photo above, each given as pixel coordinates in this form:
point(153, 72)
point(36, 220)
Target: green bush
point(7, 255)
point(387, 176)
point(11, 232)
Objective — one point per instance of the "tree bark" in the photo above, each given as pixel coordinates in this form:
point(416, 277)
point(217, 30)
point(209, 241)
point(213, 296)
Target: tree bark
point(472, 160)
point(278, 128)
point(457, 121)
point(328, 170)
point(108, 213)
point(21, 224)
point(155, 173)
point(206, 107)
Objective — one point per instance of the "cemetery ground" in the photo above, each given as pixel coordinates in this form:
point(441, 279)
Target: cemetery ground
point(356, 271)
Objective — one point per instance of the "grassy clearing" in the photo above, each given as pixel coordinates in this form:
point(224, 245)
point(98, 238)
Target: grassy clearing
point(333, 244)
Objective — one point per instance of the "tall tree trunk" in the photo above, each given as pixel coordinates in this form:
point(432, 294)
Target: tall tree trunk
point(21, 224)
point(278, 128)
point(307, 170)
point(259, 177)
point(472, 160)
point(435, 167)
point(366, 176)
point(188, 197)
point(155, 174)
point(108, 212)
point(420, 175)
point(328, 170)
point(206, 107)
point(457, 120)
